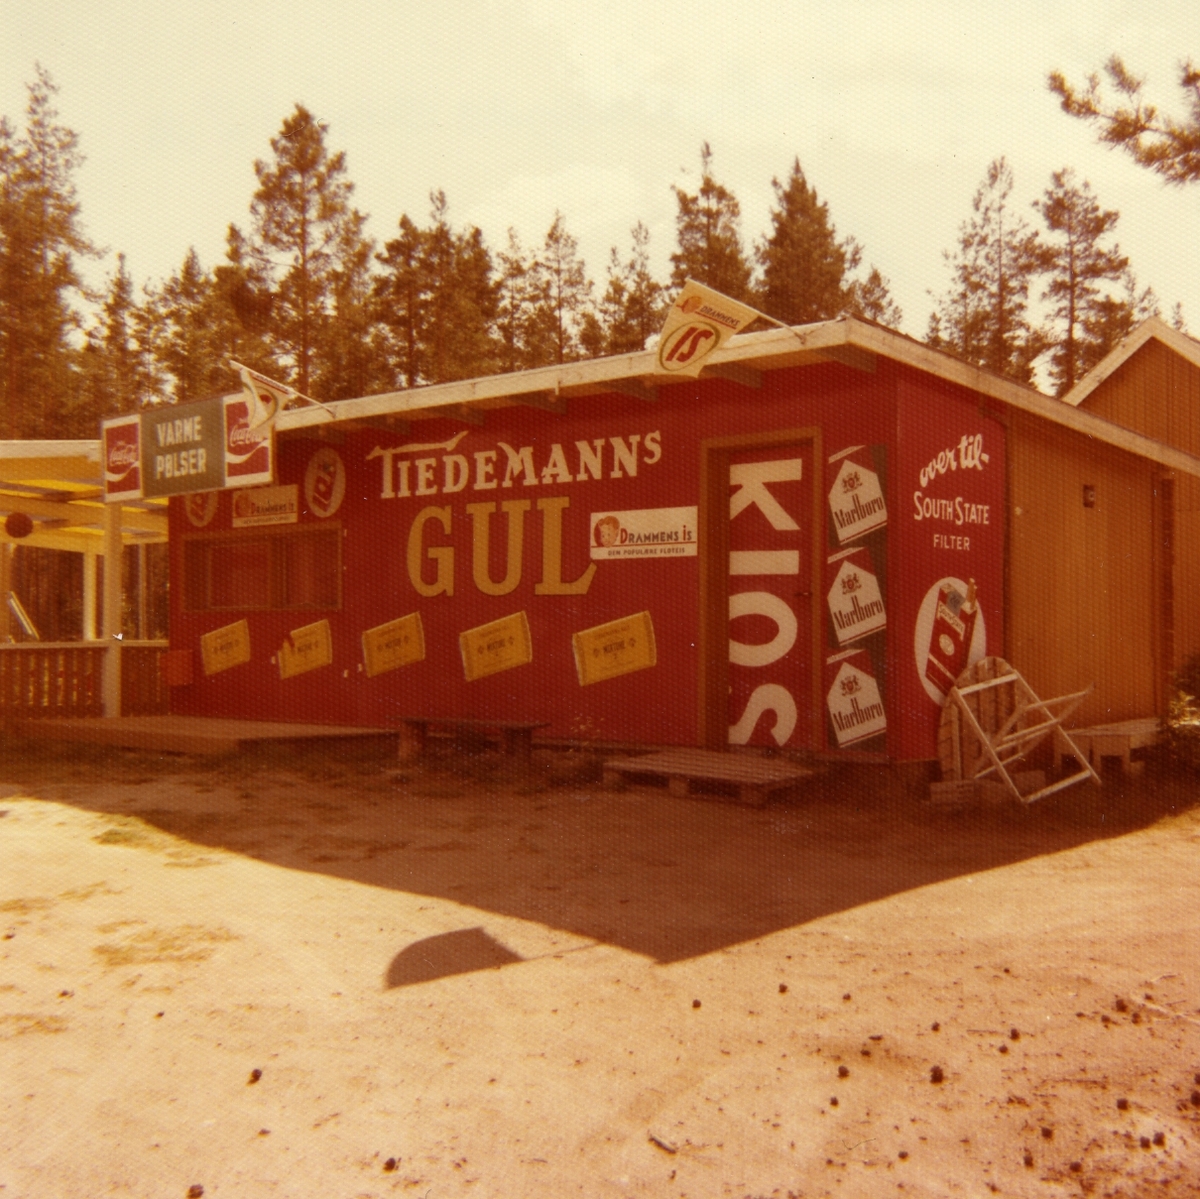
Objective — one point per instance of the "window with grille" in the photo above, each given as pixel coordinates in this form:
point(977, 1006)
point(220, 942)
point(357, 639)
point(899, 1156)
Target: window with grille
point(294, 569)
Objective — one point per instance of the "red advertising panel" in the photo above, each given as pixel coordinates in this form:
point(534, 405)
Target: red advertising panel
point(949, 559)
point(182, 449)
point(770, 597)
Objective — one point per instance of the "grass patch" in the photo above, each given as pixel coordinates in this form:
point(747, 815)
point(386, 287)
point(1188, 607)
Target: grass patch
point(21, 1023)
point(184, 943)
point(132, 832)
point(26, 907)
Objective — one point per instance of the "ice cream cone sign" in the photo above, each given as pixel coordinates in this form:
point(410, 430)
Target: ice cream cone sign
point(698, 323)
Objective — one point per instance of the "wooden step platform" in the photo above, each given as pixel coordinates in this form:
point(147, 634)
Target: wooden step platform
point(515, 736)
point(1116, 740)
point(185, 734)
point(754, 778)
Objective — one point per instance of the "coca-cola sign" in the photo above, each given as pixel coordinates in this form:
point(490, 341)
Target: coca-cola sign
point(122, 448)
point(185, 449)
point(122, 455)
point(247, 451)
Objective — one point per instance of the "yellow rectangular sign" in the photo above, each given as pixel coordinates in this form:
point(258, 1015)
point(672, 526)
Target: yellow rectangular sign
point(392, 645)
point(613, 649)
point(225, 647)
point(497, 646)
point(306, 648)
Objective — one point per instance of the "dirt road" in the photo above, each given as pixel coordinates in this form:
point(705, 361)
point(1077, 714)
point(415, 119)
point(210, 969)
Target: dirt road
point(293, 974)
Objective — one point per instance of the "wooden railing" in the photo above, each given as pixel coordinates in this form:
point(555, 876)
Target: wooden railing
point(66, 678)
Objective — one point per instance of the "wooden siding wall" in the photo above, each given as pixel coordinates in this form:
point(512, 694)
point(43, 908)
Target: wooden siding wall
point(1187, 569)
point(1157, 392)
point(1084, 604)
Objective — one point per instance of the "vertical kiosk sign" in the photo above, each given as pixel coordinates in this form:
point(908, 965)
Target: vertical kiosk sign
point(186, 448)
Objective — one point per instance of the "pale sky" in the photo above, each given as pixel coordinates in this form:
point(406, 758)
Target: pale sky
point(520, 108)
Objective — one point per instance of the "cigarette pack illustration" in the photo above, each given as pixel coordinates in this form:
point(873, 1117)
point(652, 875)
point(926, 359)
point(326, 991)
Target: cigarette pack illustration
point(950, 637)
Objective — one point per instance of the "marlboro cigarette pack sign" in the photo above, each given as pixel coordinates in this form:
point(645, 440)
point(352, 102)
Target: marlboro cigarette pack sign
point(855, 602)
point(855, 706)
point(856, 501)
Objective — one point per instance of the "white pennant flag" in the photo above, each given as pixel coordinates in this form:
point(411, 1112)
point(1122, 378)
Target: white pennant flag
point(264, 397)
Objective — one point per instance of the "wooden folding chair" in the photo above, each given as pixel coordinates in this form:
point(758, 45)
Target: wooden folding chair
point(992, 719)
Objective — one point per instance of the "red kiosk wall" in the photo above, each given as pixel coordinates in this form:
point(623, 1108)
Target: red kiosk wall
point(553, 475)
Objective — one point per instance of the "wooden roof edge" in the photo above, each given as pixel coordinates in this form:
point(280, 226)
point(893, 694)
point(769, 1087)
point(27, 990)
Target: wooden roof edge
point(587, 377)
point(804, 342)
point(88, 448)
point(1153, 328)
point(1025, 399)
point(627, 368)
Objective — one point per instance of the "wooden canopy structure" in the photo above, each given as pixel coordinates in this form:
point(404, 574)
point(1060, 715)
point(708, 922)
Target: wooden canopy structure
point(59, 486)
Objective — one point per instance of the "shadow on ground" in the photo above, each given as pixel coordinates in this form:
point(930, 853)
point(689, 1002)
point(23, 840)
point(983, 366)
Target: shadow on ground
point(670, 878)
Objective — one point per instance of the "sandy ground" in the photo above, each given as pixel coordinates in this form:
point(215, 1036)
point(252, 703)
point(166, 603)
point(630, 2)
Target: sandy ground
point(295, 974)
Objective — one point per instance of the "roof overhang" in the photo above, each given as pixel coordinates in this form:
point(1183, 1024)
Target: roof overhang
point(744, 359)
point(59, 485)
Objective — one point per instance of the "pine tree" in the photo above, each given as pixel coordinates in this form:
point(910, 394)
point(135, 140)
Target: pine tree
point(305, 233)
point(984, 318)
point(243, 286)
point(118, 369)
point(1165, 145)
point(40, 239)
point(513, 304)
point(632, 307)
point(1110, 318)
point(192, 331)
point(560, 295)
point(1089, 318)
point(460, 299)
point(708, 228)
point(871, 299)
point(807, 271)
point(350, 363)
point(437, 299)
point(399, 301)
point(804, 266)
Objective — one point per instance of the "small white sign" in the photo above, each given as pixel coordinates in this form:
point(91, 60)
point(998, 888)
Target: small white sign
point(855, 706)
point(855, 603)
point(644, 533)
point(266, 506)
point(856, 501)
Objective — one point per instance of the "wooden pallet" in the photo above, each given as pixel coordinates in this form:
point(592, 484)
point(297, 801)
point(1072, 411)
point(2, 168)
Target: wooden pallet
point(754, 778)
